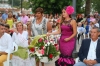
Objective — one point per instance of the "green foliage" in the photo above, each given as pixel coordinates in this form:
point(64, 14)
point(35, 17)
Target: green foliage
point(52, 50)
point(55, 6)
point(50, 6)
point(26, 4)
point(40, 44)
point(79, 4)
point(96, 5)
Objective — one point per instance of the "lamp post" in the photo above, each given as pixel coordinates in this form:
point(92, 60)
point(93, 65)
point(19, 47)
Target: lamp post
point(74, 16)
point(74, 5)
point(21, 6)
point(12, 5)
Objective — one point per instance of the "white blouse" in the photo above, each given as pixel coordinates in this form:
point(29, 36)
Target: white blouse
point(21, 39)
point(6, 43)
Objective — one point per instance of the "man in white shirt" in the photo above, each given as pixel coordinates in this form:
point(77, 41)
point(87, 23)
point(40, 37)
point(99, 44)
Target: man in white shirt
point(89, 53)
point(6, 44)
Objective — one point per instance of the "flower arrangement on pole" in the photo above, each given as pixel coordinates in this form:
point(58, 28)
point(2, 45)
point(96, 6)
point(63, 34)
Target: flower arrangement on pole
point(43, 46)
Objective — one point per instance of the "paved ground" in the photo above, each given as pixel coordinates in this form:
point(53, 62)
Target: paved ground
point(51, 63)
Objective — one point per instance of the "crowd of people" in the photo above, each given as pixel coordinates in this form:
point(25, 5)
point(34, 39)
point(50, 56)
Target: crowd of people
point(19, 28)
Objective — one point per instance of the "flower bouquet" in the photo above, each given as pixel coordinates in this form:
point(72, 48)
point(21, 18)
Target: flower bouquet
point(43, 48)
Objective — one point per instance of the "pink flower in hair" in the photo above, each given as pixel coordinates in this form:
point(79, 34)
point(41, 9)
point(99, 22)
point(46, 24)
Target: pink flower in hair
point(70, 10)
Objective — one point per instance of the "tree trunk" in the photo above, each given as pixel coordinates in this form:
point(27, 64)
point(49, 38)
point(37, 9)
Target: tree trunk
point(87, 7)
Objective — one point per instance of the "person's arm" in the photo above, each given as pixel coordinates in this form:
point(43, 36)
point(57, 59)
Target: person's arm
point(49, 27)
point(80, 54)
point(56, 32)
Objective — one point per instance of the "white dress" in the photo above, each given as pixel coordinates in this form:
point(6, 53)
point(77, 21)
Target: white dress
point(21, 40)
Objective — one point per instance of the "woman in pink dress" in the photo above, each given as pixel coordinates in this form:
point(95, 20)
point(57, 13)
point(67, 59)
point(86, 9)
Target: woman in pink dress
point(68, 30)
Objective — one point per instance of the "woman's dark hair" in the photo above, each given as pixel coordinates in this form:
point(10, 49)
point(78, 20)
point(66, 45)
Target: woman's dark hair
point(88, 16)
point(53, 26)
point(39, 10)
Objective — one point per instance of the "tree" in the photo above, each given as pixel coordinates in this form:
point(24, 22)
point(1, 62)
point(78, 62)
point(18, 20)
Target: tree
point(79, 5)
point(55, 6)
point(87, 7)
point(50, 6)
point(96, 5)
point(26, 4)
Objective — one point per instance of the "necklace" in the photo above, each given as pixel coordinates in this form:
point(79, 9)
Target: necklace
point(67, 22)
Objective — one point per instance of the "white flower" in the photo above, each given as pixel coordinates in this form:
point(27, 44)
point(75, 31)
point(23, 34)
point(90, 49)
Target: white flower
point(48, 43)
point(38, 54)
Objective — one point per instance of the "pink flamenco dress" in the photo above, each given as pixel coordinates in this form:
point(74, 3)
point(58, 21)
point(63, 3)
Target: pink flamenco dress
point(66, 47)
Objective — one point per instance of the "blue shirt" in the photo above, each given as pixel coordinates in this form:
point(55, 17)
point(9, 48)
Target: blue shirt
point(4, 16)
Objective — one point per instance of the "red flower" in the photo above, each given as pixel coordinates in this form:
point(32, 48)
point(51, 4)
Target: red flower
point(11, 31)
point(50, 56)
point(32, 49)
point(40, 40)
point(55, 44)
point(42, 47)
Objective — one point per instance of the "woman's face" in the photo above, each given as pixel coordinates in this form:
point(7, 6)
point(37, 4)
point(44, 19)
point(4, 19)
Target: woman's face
point(38, 15)
point(9, 15)
point(19, 27)
point(64, 13)
point(80, 16)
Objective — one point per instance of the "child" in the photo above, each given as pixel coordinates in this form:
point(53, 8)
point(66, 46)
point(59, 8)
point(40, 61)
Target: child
point(80, 30)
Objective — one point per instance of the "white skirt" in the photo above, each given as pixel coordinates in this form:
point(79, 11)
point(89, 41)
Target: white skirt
point(17, 61)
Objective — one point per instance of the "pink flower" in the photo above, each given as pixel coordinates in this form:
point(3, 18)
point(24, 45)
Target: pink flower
point(41, 51)
point(40, 40)
point(70, 10)
point(42, 47)
point(56, 46)
point(46, 41)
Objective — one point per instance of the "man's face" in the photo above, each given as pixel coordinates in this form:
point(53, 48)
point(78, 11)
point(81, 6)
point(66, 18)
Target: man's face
point(94, 33)
point(6, 11)
point(6, 30)
point(23, 14)
point(2, 29)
